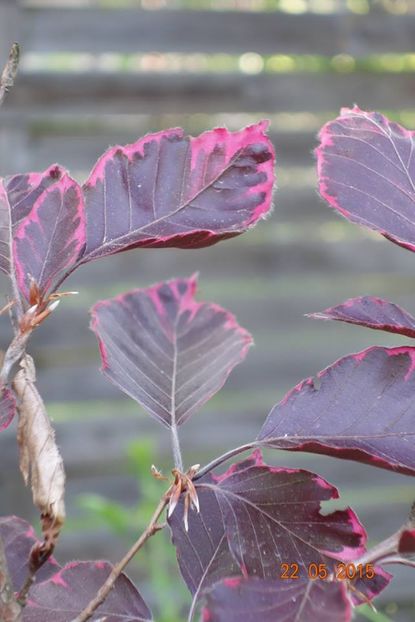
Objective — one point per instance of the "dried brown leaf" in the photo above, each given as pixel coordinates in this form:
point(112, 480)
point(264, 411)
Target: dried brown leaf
point(40, 461)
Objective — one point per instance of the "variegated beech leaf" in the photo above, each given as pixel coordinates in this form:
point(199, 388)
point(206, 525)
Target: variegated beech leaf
point(258, 600)
point(47, 218)
point(167, 351)
point(64, 595)
point(263, 517)
point(373, 313)
point(17, 197)
point(60, 594)
point(202, 550)
point(361, 409)
point(366, 169)
point(168, 189)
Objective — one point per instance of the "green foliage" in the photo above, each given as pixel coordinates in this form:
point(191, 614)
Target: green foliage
point(370, 614)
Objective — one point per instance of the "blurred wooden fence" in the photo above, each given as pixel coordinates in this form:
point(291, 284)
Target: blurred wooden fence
point(301, 259)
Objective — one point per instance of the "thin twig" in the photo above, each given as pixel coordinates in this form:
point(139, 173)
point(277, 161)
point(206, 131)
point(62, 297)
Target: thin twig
point(224, 457)
point(10, 611)
point(387, 551)
point(381, 550)
point(177, 453)
point(24, 592)
point(106, 588)
point(9, 72)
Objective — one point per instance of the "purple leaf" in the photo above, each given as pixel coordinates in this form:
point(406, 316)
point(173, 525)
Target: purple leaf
point(270, 516)
point(60, 594)
point(63, 596)
point(168, 189)
point(25, 189)
point(7, 408)
point(6, 258)
point(18, 194)
point(372, 313)
point(167, 351)
point(366, 172)
point(49, 239)
point(363, 589)
point(258, 600)
point(18, 538)
point(363, 409)
point(202, 552)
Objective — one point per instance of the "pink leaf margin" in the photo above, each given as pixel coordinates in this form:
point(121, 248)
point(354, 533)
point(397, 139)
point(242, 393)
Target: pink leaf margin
point(343, 312)
point(62, 183)
point(234, 142)
point(330, 493)
point(346, 453)
point(187, 303)
point(326, 141)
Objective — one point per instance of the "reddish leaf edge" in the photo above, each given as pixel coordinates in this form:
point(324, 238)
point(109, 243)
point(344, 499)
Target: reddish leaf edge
point(63, 182)
point(151, 291)
point(356, 455)
point(315, 447)
point(60, 581)
point(325, 141)
point(205, 237)
point(354, 596)
point(256, 460)
point(18, 548)
point(335, 313)
point(228, 584)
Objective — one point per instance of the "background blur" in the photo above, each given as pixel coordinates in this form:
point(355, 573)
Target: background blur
point(105, 72)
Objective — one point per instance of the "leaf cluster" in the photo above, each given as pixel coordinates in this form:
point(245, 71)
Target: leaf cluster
point(237, 532)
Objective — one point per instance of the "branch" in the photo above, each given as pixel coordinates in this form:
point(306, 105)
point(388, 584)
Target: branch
point(380, 551)
point(41, 464)
point(177, 453)
point(224, 457)
point(10, 611)
point(106, 588)
point(9, 72)
point(387, 551)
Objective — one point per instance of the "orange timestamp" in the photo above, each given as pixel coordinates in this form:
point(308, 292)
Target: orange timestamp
point(340, 572)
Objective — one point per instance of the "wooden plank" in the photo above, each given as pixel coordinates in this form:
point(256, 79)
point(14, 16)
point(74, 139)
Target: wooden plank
point(278, 362)
point(80, 149)
point(9, 27)
point(89, 93)
point(13, 133)
point(133, 30)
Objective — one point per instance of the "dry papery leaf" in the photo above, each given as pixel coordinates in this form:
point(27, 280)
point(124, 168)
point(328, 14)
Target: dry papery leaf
point(40, 461)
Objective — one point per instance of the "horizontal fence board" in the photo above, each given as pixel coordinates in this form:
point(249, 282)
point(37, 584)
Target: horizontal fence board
point(87, 93)
point(133, 30)
point(79, 150)
point(274, 363)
